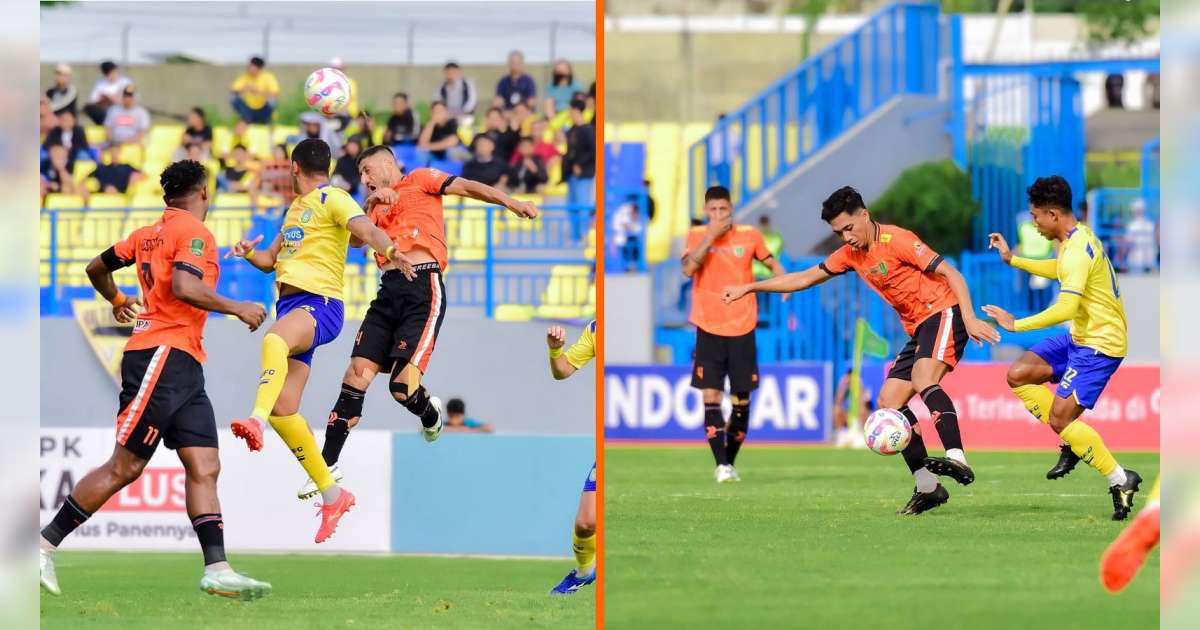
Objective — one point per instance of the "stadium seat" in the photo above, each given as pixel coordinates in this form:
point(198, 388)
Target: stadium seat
point(108, 200)
point(408, 155)
point(377, 135)
point(258, 141)
point(148, 186)
point(132, 154)
point(513, 313)
point(161, 144)
point(82, 170)
point(280, 134)
point(56, 201)
point(96, 135)
point(222, 140)
point(232, 200)
point(447, 166)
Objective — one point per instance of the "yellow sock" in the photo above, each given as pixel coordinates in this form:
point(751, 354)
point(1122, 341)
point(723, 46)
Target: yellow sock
point(274, 373)
point(585, 552)
point(1089, 446)
point(1037, 400)
point(296, 434)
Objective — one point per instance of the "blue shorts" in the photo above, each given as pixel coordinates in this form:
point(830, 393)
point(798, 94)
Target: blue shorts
point(327, 311)
point(1080, 371)
point(589, 484)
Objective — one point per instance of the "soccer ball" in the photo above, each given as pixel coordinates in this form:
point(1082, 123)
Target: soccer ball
point(887, 431)
point(327, 91)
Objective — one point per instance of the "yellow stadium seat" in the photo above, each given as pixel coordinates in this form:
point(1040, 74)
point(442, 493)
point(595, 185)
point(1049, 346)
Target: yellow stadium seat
point(377, 135)
point(56, 201)
point(83, 169)
point(222, 141)
point(108, 200)
point(513, 313)
point(146, 194)
point(141, 218)
point(132, 154)
point(280, 133)
point(258, 141)
point(96, 135)
point(162, 142)
point(232, 200)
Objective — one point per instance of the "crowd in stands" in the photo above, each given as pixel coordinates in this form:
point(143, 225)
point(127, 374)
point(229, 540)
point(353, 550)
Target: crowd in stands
point(522, 139)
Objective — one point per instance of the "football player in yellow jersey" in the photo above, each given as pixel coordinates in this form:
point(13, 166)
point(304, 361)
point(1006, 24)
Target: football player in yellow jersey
point(583, 539)
point(309, 261)
point(1083, 360)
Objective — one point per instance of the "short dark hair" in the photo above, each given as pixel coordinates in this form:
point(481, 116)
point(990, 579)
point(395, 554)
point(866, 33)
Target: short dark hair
point(717, 192)
point(496, 110)
point(312, 156)
point(403, 95)
point(437, 104)
point(578, 104)
point(844, 199)
point(107, 67)
point(449, 65)
point(182, 178)
point(1051, 192)
point(257, 62)
point(369, 151)
point(456, 405)
point(239, 146)
point(199, 111)
point(528, 139)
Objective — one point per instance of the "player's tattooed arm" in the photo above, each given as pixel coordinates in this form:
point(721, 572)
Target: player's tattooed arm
point(190, 288)
point(786, 283)
point(482, 192)
point(978, 330)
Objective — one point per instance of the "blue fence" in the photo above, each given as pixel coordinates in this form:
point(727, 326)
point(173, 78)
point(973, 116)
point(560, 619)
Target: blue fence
point(895, 52)
point(496, 258)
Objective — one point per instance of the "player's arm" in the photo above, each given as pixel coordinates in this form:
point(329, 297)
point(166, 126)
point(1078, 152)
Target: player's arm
point(1073, 267)
point(188, 286)
point(262, 259)
point(100, 274)
point(786, 283)
point(482, 192)
point(560, 367)
point(694, 259)
point(366, 232)
point(1047, 268)
point(978, 330)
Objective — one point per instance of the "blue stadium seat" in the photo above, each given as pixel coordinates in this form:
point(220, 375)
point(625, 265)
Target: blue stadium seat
point(624, 164)
point(408, 155)
point(448, 166)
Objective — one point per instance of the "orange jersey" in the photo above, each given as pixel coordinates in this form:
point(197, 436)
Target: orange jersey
point(415, 220)
point(178, 240)
point(729, 261)
point(900, 269)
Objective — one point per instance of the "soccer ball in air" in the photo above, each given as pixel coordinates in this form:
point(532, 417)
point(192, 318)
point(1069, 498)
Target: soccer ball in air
point(887, 431)
point(327, 91)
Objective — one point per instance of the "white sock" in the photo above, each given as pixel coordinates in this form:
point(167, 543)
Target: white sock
point(1116, 477)
point(331, 494)
point(957, 455)
point(45, 545)
point(926, 481)
point(217, 567)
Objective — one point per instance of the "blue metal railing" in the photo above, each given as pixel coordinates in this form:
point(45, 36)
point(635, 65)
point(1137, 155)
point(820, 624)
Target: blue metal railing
point(895, 52)
point(497, 258)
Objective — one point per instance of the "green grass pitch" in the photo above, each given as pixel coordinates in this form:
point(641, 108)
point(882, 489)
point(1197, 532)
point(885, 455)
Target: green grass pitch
point(161, 590)
point(810, 538)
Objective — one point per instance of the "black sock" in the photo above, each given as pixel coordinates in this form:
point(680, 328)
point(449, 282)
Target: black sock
point(945, 418)
point(210, 529)
point(419, 404)
point(348, 406)
point(915, 453)
point(714, 430)
point(69, 516)
point(739, 424)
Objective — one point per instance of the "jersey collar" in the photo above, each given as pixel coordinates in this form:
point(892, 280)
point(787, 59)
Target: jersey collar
point(1073, 231)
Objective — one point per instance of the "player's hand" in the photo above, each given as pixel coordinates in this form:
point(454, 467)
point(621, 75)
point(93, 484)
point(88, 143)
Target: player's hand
point(556, 337)
point(385, 196)
point(128, 311)
point(526, 209)
point(719, 226)
point(403, 264)
point(980, 331)
point(252, 314)
point(734, 293)
point(1003, 318)
point(996, 241)
point(243, 247)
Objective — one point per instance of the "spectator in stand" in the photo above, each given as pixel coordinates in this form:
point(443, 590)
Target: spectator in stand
point(127, 122)
point(113, 175)
point(56, 176)
point(1114, 91)
point(559, 122)
point(521, 119)
point(345, 171)
point(195, 151)
point(563, 85)
point(237, 172)
point(440, 134)
point(516, 86)
point(364, 134)
point(458, 93)
point(314, 125)
point(403, 126)
point(69, 133)
point(627, 231)
point(254, 93)
point(1140, 240)
point(197, 132)
point(63, 96)
point(504, 137)
point(543, 145)
point(457, 420)
point(1152, 89)
point(47, 119)
point(276, 174)
point(590, 101)
point(579, 167)
point(485, 167)
point(774, 240)
point(528, 173)
point(106, 92)
point(352, 110)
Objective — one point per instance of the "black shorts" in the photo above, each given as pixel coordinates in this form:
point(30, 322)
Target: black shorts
point(717, 357)
point(162, 396)
point(401, 325)
point(942, 336)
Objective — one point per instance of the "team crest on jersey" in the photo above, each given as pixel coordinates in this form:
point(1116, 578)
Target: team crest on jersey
point(197, 247)
point(738, 251)
point(878, 270)
point(307, 216)
point(885, 238)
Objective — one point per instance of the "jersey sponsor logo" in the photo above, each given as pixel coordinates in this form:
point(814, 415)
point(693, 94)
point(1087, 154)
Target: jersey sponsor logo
point(292, 237)
point(197, 247)
point(141, 325)
point(885, 238)
point(878, 270)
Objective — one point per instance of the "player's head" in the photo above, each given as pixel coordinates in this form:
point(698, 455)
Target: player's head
point(310, 161)
point(718, 205)
point(456, 410)
point(1050, 205)
point(848, 217)
point(185, 186)
point(255, 66)
point(377, 167)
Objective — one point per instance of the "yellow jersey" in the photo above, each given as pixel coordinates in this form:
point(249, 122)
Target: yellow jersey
point(1084, 269)
point(265, 85)
point(584, 349)
point(312, 256)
